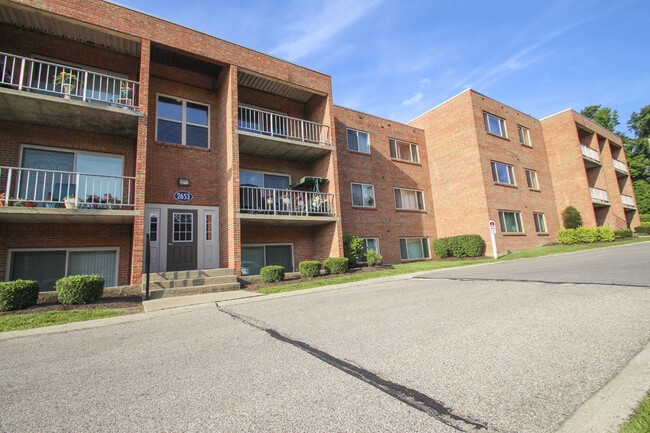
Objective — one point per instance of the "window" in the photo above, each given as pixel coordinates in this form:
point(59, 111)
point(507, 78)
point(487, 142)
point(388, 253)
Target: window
point(404, 151)
point(510, 221)
point(358, 141)
point(531, 179)
point(495, 125)
point(524, 136)
point(409, 199)
point(503, 173)
point(183, 227)
point(540, 222)
point(153, 227)
point(414, 248)
point(363, 195)
point(182, 122)
point(255, 257)
point(368, 244)
point(208, 226)
point(47, 266)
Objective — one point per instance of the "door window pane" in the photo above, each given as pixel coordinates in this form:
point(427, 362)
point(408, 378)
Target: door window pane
point(183, 227)
point(101, 263)
point(252, 260)
point(46, 267)
point(279, 255)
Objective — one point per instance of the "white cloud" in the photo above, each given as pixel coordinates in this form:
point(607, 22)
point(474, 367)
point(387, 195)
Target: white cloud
point(314, 31)
point(414, 100)
point(425, 82)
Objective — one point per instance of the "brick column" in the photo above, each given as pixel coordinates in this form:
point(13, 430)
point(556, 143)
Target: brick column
point(141, 164)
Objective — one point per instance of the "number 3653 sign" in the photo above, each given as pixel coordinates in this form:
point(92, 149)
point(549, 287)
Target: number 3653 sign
point(183, 196)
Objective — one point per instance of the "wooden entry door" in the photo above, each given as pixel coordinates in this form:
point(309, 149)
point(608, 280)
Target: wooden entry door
point(181, 240)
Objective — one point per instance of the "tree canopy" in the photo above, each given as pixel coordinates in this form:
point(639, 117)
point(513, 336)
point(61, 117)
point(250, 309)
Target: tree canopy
point(604, 116)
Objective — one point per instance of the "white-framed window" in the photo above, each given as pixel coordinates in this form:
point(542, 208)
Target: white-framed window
point(495, 125)
point(153, 226)
point(180, 121)
point(524, 136)
point(414, 248)
point(47, 265)
point(363, 194)
point(503, 173)
point(368, 244)
point(358, 141)
point(540, 222)
point(531, 179)
point(511, 221)
point(209, 224)
point(403, 150)
point(255, 256)
point(409, 199)
point(183, 227)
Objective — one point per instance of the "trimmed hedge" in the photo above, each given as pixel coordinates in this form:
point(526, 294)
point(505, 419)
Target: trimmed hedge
point(272, 274)
point(79, 289)
point(620, 234)
point(336, 265)
point(309, 269)
point(585, 235)
point(18, 294)
point(459, 246)
point(643, 228)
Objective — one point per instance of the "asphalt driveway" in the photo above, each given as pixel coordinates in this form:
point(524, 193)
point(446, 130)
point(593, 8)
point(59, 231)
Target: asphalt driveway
point(476, 349)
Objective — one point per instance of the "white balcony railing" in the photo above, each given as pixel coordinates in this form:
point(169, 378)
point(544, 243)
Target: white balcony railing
point(598, 194)
point(278, 125)
point(51, 188)
point(589, 152)
point(619, 165)
point(627, 200)
point(69, 82)
point(273, 201)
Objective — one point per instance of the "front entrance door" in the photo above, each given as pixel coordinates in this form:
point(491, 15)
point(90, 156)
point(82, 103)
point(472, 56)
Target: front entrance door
point(181, 240)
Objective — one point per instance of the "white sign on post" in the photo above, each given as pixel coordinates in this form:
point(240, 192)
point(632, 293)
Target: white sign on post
point(493, 230)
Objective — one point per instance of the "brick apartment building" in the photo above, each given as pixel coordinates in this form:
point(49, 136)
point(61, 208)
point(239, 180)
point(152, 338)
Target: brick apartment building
point(116, 124)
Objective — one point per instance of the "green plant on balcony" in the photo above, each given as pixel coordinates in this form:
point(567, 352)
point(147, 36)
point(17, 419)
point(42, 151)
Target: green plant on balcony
point(72, 201)
point(67, 81)
point(126, 90)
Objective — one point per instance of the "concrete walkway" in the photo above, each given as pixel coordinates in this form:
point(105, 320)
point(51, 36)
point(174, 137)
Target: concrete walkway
point(187, 301)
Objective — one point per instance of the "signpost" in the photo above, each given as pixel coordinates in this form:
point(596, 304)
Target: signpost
point(493, 230)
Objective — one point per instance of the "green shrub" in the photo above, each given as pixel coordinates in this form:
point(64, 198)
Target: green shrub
point(373, 257)
point(645, 217)
point(620, 234)
point(79, 289)
point(567, 236)
point(18, 294)
point(309, 269)
point(571, 218)
point(459, 246)
point(272, 274)
point(352, 247)
point(642, 229)
point(336, 265)
point(586, 234)
point(604, 234)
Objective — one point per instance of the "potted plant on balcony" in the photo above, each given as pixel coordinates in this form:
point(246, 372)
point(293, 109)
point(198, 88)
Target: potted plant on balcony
point(71, 202)
point(67, 81)
point(3, 197)
point(126, 91)
point(285, 199)
point(25, 203)
point(111, 201)
point(270, 198)
point(300, 203)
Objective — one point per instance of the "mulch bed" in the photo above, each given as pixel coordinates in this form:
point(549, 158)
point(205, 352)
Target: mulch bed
point(130, 305)
point(254, 287)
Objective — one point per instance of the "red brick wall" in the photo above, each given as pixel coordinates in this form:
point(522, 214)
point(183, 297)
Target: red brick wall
point(68, 236)
point(379, 169)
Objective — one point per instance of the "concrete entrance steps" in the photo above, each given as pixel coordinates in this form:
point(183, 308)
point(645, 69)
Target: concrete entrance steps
point(184, 283)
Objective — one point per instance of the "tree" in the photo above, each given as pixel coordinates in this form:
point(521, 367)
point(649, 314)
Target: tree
point(604, 116)
point(571, 218)
point(352, 248)
point(639, 123)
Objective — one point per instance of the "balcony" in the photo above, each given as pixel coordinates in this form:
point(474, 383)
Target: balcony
point(272, 206)
point(620, 167)
point(273, 135)
point(599, 197)
point(628, 201)
point(52, 94)
point(590, 156)
point(65, 197)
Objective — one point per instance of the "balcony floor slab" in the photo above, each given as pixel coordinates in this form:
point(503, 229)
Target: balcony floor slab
point(18, 214)
point(285, 220)
point(280, 148)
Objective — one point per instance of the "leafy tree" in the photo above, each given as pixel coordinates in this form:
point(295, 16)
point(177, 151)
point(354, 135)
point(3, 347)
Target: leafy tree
point(639, 123)
point(604, 116)
point(352, 248)
point(642, 193)
point(571, 218)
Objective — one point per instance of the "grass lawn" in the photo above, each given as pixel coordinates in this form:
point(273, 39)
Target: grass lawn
point(37, 320)
point(640, 421)
point(407, 268)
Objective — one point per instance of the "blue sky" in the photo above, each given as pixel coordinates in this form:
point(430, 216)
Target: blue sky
point(398, 59)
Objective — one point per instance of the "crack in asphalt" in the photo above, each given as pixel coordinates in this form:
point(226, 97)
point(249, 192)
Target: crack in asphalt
point(590, 283)
point(411, 397)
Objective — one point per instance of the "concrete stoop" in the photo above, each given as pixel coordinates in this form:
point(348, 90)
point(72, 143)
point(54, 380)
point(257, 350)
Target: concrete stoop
point(184, 283)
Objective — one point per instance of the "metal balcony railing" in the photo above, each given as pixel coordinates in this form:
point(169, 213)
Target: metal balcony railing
point(273, 201)
point(619, 165)
point(598, 194)
point(52, 188)
point(278, 125)
point(589, 152)
point(69, 82)
point(628, 200)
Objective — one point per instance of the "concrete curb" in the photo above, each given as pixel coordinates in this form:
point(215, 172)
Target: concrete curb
point(610, 407)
